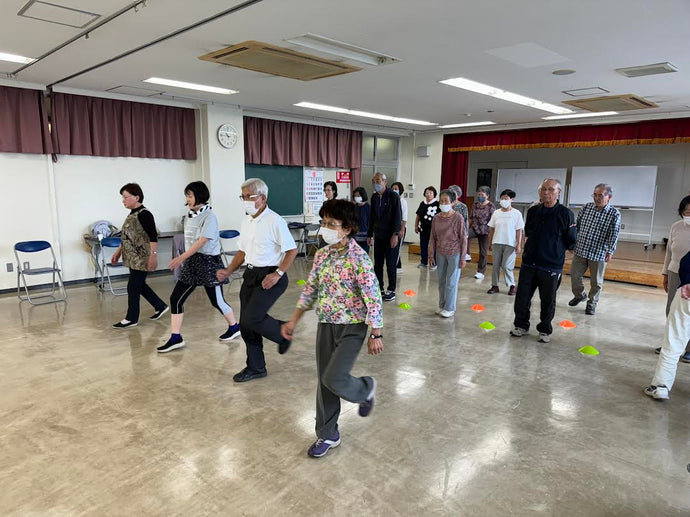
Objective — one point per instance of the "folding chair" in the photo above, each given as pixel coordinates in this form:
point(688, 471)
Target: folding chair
point(106, 283)
point(309, 239)
point(226, 255)
point(57, 285)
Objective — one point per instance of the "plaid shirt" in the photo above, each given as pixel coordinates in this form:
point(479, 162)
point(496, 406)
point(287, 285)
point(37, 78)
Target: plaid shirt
point(597, 231)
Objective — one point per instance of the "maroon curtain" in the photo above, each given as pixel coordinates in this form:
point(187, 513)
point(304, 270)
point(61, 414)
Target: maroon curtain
point(454, 168)
point(94, 126)
point(23, 122)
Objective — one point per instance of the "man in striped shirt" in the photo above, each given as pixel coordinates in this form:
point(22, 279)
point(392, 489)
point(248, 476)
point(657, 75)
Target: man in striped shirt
point(598, 226)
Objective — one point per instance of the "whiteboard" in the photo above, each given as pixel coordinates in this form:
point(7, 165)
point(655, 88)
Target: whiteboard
point(525, 182)
point(633, 186)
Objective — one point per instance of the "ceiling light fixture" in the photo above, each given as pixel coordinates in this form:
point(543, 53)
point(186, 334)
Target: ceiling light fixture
point(356, 113)
point(468, 124)
point(189, 86)
point(581, 115)
point(14, 58)
point(485, 89)
point(342, 49)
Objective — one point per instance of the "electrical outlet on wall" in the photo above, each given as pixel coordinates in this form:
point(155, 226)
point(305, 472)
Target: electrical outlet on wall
point(10, 267)
point(26, 265)
point(411, 195)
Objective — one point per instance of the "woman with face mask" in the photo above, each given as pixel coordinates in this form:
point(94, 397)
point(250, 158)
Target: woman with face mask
point(447, 249)
point(482, 210)
point(363, 211)
point(346, 292)
point(505, 238)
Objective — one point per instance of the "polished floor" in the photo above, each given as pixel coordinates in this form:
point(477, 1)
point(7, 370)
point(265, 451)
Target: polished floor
point(467, 422)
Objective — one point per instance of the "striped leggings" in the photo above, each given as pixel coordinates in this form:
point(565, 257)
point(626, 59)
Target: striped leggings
point(182, 291)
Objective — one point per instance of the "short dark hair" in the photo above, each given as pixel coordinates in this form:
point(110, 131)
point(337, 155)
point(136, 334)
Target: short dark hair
point(432, 189)
point(448, 192)
point(399, 185)
point(135, 190)
point(510, 193)
point(683, 205)
point(343, 211)
point(200, 191)
point(486, 190)
point(362, 193)
point(333, 186)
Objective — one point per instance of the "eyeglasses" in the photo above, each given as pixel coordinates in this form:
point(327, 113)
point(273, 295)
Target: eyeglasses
point(249, 198)
point(549, 189)
point(330, 225)
point(598, 196)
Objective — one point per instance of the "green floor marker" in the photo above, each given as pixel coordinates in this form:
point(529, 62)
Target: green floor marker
point(588, 350)
point(487, 325)
point(301, 282)
point(405, 306)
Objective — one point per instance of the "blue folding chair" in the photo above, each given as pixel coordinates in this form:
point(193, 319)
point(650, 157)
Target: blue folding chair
point(57, 288)
point(227, 255)
point(106, 283)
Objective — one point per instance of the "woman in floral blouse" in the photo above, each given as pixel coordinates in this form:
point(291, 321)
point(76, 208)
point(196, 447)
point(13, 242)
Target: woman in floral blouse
point(343, 285)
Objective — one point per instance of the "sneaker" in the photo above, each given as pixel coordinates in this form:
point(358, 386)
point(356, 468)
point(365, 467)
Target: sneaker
point(388, 296)
point(544, 338)
point(468, 257)
point(247, 375)
point(657, 350)
point(518, 332)
point(399, 271)
point(493, 290)
point(659, 392)
point(685, 357)
point(171, 345)
point(433, 268)
point(590, 309)
point(366, 406)
point(438, 311)
point(158, 314)
point(577, 300)
point(232, 332)
point(479, 276)
point(447, 314)
point(512, 290)
point(421, 266)
point(321, 446)
point(124, 324)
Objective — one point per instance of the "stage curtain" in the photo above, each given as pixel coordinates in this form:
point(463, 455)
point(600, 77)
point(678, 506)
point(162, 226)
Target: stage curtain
point(23, 122)
point(454, 169)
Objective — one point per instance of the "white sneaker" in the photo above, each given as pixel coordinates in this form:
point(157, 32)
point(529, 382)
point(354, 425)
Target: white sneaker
point(479, 276)
point(544, 338)
point(446, 314)
point(518, 332)
point(421, 266)
point(658, 392)
point(399, 271)
point(438, 311)
point(433, 268)
point(468, 257)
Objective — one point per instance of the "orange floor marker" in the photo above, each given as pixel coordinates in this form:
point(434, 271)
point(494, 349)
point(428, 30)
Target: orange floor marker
point(478, 308)
point(567, 324)
point(410, 292)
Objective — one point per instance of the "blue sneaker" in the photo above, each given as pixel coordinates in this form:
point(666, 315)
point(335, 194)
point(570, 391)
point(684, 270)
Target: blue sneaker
point(321, 446)
point(232, 333)
point(685, 357)
point(366, 406)
point(172, 344)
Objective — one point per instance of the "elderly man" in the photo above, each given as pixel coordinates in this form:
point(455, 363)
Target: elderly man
point(461, 208)
point(385, 224)
point(598, 226)
point(267, 246)
point(550, 230)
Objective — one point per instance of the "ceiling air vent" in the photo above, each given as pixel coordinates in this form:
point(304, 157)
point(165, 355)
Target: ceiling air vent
point(613, 103)
point(640, 71)
point(274, 60)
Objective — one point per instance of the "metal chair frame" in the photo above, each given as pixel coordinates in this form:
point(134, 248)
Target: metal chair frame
point(230, 234)
point(57, 285)
point(106, 283)
point(306, 240)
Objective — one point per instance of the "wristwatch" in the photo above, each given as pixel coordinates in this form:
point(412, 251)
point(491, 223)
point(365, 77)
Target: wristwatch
point(280, 273)
point(373, 336)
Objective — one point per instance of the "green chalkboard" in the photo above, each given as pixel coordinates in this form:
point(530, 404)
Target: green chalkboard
point(285, 186)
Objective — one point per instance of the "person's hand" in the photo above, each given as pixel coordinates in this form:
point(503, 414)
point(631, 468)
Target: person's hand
point(287, 329)
point(416, 229)
point(375, 346)
point(153, 262)
point(394, 240)
point(666, 283)
point(607, 257)
point(518, 250)
point(432, 262)
point(222, 275)
point(370, 241)
point(491, 247)
point(463, 263)
point(175, 263)
point(270, 280)
point(685, 291)
point(115, 258)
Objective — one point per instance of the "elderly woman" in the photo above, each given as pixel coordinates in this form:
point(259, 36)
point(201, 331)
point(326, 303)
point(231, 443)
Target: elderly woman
point(138, 250)
point(363, 212)
point(447, 247)
point(344, 287)
point(461, 208)
point(422, 225)
point(677, 247)
point(482, 210)
point(330, 190)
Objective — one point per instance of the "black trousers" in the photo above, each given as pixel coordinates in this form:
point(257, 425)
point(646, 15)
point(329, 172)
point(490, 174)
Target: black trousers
point(181, 292)
point(530, 280)
point(255, 323)
point(483, 241)
point(384, 253)
point(136, 287)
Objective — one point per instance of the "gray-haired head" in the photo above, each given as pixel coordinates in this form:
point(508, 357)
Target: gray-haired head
point(380, 175)
point(256, 186)
point(485, 189)
point(557, 183)
point(457, 190)
point(606, 187)
point(447, 192)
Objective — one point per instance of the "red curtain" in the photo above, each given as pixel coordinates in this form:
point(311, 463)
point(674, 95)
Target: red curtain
point(276, 142)
point(23, 122)
point(94, 126)
point(454, 168)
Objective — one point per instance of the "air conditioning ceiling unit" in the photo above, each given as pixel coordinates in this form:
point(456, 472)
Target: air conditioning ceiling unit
point(613, 103)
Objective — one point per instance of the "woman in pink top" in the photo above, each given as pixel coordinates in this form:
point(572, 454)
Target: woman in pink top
point(447, 249)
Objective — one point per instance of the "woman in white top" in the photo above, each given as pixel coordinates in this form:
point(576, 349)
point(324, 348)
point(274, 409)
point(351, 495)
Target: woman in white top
point(505, 241)
point(398, 188)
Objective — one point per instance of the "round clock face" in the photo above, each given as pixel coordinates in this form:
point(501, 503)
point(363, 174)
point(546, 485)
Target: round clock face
point(227, 136)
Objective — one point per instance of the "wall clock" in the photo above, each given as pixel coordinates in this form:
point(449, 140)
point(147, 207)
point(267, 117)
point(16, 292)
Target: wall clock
point(227, 136)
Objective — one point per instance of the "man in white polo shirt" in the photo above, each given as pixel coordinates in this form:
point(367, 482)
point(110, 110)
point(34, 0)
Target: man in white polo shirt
point(267, 246)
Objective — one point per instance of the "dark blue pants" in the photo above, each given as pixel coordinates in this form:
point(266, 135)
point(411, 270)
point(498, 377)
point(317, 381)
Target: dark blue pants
point(384, 253)
point(424, 244)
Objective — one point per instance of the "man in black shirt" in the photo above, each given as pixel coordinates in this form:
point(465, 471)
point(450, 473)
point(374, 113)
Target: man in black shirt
point(384, 226)
point(550, 230)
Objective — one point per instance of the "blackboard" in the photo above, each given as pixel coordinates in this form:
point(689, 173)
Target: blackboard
point(633, 186)
point(285, 186)
point(525, 182)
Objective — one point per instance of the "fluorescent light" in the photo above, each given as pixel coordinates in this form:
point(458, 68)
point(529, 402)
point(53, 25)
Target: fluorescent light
point(468, 124)
point(366, 114)
point(581, 115)
point(14, 58)
point(189, 86)
point(342, 49)
point(492, 91)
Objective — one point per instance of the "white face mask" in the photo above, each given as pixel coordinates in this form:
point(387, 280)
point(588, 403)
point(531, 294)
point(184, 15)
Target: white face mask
point(505, 203)
point(250, 208)
point(686, 219)
point(358, 199)
point(444, 208)
point(330, 236)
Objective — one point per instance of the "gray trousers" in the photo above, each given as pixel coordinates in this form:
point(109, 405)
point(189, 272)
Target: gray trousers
point(337, 347)
point(503, 256)
point(596, 277)
point(448, 277)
